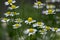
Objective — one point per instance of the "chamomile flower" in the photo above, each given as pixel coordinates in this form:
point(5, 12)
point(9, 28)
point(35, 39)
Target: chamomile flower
point(43, 31)
point(49, 11)
point(11, 13)
point(40, 24)
point(7, 13)
point(15, 13)
point(48, 28)
point(30, 31)
point(5, 20)
point(50, 6)
point(9, 2)
point(18, 20)
point(55, 29)
point(13, 7)
point(30, 20)
point(38, 4)
point(15, 26)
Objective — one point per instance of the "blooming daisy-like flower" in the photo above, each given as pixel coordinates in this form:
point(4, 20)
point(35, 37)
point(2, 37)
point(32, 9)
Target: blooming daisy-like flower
point(38, 4)
point(50, 6)
point(11, 13)
point(9, 2)
point(13, 7)
point(49, 11)
point(55, 29)
point(30, 20)
point(43, 31)
point(30, 31)
point(40, 24)
point(15, 13)
point(48, 28)
point(15, 26)
point(5, 20)
point(7, 13)
point(18, 20)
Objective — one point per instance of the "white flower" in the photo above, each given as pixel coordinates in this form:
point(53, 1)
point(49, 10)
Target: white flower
point(40, 24)
point(55, 29)
point(15, 26)
point(50, 6)
point(14, 13)
point(9, 2)
point(13, 7)
point(43, 31)
point(49, 11)
point(38, 4)
point(7, 13)
point(47, 28)
point(30, 31)
point(18, 20)
point(11, 13)
point(5, 20)
point(30, 20)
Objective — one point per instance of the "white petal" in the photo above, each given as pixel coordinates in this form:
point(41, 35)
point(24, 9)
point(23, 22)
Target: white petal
point(13, 1)
point(34, 21)
point(34, 25)
point(26, 31)
point(3, 21)
point(30, 34)
point(35, 6)
point(6, 3)
point(9, 8)
point(8, 20)
point(17, 7)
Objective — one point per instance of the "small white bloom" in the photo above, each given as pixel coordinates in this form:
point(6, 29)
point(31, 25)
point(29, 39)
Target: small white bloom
point(38, 4)
point(55, 29)
point(49, 11)
point(13, 7)
point(9, 2)
point(7, 13)
point(43, 31)
point(50, 6)
point(40, 24)
point(5, 20)
point(30, 20)
point(18, 20)
point(47, 28)
point(15, 26)
point(30, 31)
point(11, 13)
point(14, 13)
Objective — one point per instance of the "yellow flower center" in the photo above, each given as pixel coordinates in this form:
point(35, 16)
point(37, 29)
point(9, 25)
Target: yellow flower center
point(47, 27)
point(17, 25)
point(9, 1)
point(38, 2)
point(42, 30)
point(31, 30)
point(8, 12)
point(50, 11)
point(5, 19)
point(30, 19)
point(39, 23)
point(14, 13)
point(13, 6)
point(55, 29)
